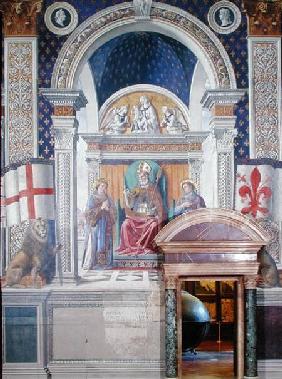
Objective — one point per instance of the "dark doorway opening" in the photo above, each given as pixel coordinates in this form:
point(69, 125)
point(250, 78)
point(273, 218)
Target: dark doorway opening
point(214, 355)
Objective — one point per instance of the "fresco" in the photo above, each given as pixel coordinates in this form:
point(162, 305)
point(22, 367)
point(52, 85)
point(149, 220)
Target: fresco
point(140, 193)
point(119, 227)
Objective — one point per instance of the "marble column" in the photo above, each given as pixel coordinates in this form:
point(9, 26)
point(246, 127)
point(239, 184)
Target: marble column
point(221, 104)
point(66, 103)
point(171, 328)
point(250, 361)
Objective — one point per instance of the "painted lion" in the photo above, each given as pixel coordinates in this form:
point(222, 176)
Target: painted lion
point(29, 258)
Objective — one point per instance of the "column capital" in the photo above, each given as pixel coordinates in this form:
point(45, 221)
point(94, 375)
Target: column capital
point(65, 101)
point(170, 282)
point(264, 17)
point(250, 282)
point(20, 17)
point(225, 139)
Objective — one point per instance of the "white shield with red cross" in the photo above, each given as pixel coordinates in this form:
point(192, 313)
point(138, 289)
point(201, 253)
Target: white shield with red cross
point(29, 193)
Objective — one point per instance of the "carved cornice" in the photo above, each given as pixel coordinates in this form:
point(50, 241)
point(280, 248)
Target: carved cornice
point(216, 247)
point(130, 139)
point(221, 98)
point(247, 269)
point(20, 17)
point(65, 101)
point(264, 17)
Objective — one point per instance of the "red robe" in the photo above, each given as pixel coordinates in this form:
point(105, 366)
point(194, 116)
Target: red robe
point(138, 230)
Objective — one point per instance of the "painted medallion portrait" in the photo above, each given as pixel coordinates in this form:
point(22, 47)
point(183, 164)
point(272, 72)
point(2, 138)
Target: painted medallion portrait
point(61, 18)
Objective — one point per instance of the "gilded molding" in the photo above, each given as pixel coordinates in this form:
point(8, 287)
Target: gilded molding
point(20, 17)
point(63, 111)
point(223, 110)
point(264, 17)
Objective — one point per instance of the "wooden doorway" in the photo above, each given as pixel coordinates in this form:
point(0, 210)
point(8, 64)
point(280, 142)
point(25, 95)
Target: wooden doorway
point(216, 244)
point(220, 354)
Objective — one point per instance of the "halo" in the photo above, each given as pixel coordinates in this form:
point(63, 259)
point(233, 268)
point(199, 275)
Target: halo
point(187, 181)
point(99, 181)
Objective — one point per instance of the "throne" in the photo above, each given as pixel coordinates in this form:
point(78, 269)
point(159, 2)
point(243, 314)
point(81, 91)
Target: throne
point(156, 177)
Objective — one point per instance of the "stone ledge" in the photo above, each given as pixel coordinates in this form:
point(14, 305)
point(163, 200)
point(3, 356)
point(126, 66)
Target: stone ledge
point(269, 297)
point(270, 369)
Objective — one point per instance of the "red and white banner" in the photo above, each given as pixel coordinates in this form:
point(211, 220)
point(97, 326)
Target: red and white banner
point(29, 193)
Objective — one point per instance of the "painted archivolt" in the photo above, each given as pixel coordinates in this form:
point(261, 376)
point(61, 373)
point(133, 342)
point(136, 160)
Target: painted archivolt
point(20, 109)
point(204, 39)
point(86, 31)
point(83, 36)
point(265, 58)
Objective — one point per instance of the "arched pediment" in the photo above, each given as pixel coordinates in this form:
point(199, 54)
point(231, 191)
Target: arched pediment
point(216, 229)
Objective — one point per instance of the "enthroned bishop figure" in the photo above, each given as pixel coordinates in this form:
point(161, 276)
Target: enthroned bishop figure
point(144, 215)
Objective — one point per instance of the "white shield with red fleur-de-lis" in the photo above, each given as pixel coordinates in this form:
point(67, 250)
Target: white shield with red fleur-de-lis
point(254, 190)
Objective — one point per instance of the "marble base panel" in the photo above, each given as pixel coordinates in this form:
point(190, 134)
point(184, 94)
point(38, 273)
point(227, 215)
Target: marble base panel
point(270, 369)
point(112, 325)
point(127, 370)
point(23, 372)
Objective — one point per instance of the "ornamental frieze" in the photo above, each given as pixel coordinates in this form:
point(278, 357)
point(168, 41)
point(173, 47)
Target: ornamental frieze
point(144, 147)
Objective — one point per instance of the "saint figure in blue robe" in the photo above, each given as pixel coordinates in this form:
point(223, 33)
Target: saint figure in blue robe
point(100, 217)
